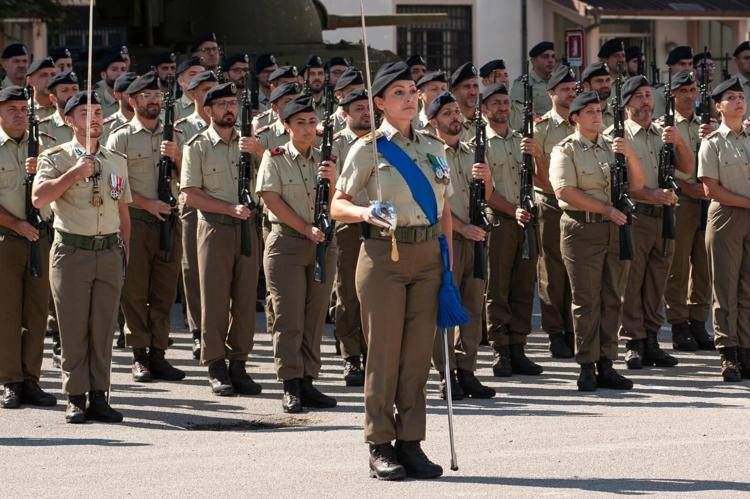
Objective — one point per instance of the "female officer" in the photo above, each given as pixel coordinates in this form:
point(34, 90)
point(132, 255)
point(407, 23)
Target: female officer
point(286, 181)
point(398, 275)
point(580, 175)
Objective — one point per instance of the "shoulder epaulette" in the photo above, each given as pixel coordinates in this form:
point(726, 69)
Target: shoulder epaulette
point(47, 136)
point(118, 153)
point(52, 150)
point(712, 134)
point(566, 140)
point(277, 151)
point(177, 129)
point(263, 129)
point(263, 113)
point(369, 137)
point(109, 119)
point(338, 134)
point(120, 127)
point(194, 137)
point(608, 130)
point(181, 121)
point(45, 120)
point(429, 134)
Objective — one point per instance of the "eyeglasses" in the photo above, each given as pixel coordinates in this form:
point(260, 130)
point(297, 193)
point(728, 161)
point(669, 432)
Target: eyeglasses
point(209, 50)
point(224, 104)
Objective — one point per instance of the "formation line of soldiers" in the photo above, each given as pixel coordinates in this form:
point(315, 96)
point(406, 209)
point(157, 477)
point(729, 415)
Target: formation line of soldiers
point(175, 183)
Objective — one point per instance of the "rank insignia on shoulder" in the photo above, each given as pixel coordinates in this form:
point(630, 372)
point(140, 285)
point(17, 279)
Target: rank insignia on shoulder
point(538, 119)
point(440, 169)
point(277, 151)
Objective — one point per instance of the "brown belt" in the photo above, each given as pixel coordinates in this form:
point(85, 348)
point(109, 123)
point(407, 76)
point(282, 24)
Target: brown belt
point(649, 210)
point(90, 243)
point(410, 235)
point(585, 217)
point(280, 228)
point(143, 216)
point(217, 218)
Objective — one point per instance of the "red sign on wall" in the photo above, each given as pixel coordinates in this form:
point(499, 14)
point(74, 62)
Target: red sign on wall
point(574, 43)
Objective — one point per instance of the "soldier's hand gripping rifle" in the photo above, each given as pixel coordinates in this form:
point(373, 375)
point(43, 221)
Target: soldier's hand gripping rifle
point(33, 217)
point(322, 216)
point(619, 176)
point(244, 176)
point(528, 248)
point(666, 170)
point(477, 201)
point(704, 112)
point(166, 167)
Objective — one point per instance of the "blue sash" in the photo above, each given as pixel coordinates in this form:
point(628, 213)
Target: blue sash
point(450, 311)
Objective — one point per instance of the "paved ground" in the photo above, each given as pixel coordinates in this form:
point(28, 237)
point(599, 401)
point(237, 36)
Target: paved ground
point(679, 431)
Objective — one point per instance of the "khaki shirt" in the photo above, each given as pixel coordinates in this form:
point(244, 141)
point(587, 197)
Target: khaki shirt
point(339, 121)
point(504, 160)
point(689, 130)
point(360, 172)
point(107, 98)
point(55, 126)
point(460, 160)
point(6, 83)
point(660, 100)
point(73, 211)
point(421, 122)
point(264, 104)
point(13, 156)
point(184, 107)
point(725, 156)
point(578, 162)
point(141, 147)
point(264, 119)
point(608, 117)
point(211, 164)
point(43, 111)
point(188, 127)
point(542, 102)
point(342, 144)
point(549, 130)
point(273, 135)
point(285, 171)
point(113, 122)
point(646, 144)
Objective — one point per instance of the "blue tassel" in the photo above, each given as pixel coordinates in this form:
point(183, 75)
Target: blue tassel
point(450, 311)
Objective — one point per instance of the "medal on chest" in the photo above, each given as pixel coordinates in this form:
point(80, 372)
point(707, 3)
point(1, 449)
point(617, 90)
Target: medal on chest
point(440, 169)
point(117, 186)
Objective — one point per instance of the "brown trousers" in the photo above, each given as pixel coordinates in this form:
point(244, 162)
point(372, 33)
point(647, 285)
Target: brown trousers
point(191, 284)
point(52, 317)
point(554, 285)
point(228, 288)
point(463, 354)
point(23, 309)
point(150, 286)
point(299, 303)
point(647, 279)
point(399, 303)
point(348, 324)
point(591, 252)
point(728, 246)
point(510, 285)
point(86, 287)
point(266, 230)
point(688, 288)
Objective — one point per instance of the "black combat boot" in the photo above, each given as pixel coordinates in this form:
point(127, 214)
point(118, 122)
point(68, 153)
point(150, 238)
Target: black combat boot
point(501, 366)
point(607, 377)
point(353, 373)
point(312, 397)
point(12, 395)
point(587, 378)
point(415, 462)
point(292, 401)
point(218, 378)
point(161, 368)
point(522, 364)
point(634, 354)
point(730, 370)
point(558, 347)
point(75, 413)
point(457, 392)
point(653, 355)
point(472, 387)
point(141, 371)
point(682, 338)
point(100, 410)
point(241, 381)
point(383, 463)
point(743, 357)
point(196, 344)
point(33, 394)
point(698, 330)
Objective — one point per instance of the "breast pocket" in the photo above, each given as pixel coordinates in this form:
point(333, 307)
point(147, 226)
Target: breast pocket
point(293, 190)
point(140, 159)
point(733, 173)
point(9, 178)
point(213, 176)
point(590, 177)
